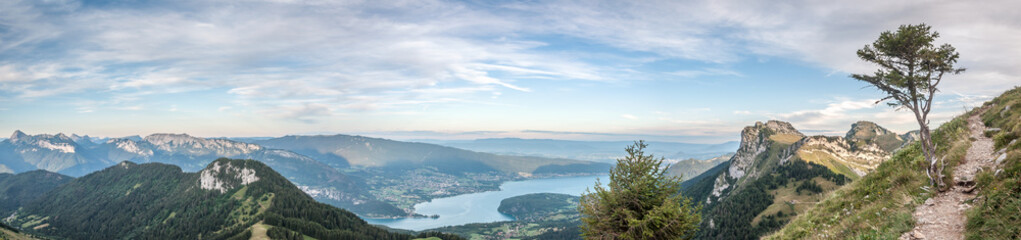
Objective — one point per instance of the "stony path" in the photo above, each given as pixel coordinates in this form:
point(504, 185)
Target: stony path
point(943, 216)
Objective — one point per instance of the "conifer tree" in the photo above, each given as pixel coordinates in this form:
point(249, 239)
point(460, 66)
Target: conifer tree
point(910, 69)
point(640, 202)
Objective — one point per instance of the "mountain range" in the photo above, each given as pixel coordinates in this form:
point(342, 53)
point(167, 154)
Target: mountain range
point(228, 199)
point(345, 171)
point(343, 151)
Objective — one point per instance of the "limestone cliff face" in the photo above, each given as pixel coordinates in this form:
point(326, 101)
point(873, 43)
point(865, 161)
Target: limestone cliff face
point(840, 155)
point(223, 175)
point(755, 141)
point(767, 145)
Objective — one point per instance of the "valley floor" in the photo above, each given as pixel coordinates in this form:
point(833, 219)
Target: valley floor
point(943, 216)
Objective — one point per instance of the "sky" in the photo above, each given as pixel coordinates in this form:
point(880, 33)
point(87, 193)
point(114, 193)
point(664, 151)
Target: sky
point(686, 71)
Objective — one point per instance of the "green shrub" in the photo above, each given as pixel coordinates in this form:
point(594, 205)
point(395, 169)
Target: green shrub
point(1002, 139)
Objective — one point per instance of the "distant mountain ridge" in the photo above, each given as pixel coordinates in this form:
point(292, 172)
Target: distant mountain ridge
point(345, 150)
point(691, 168)
point(600, 151)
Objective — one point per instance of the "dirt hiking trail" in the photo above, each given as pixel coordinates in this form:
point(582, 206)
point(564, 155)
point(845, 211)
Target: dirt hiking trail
point(943, 216)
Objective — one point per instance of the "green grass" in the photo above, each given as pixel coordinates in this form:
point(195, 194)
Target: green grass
point(880, 204)
point(995, 213)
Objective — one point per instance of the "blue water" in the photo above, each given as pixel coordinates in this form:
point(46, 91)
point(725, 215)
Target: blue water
point(481, 207)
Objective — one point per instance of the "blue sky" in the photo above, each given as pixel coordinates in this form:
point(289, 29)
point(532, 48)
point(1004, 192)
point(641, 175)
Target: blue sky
point(694, 71)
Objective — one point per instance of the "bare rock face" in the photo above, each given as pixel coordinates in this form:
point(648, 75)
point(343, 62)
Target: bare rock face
point(830, 151)
point(223, 176)
point(860, 151)
point(183, 143)
point(755, 140)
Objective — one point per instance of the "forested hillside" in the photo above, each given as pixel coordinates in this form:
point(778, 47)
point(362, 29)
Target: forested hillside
point(19, 189)
point(229, 199)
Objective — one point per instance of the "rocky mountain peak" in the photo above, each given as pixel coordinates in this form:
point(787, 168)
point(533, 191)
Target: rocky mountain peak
point(755, 140)
point(778, 127)
point(753, 137)
point(866, 129)
point(18, 134)
point(165, 138)
point(864, 133)
point(195, 145)
point(64, 137)
point(81, 139)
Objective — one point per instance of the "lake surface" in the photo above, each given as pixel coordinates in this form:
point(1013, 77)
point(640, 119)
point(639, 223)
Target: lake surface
point(481, 207)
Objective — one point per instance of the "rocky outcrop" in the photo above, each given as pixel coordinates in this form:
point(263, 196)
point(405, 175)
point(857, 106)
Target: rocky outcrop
point(865, 133)
point(183, 143)
point(767, 145)
point(224, 175)
point(840, 155)
point(755, 140)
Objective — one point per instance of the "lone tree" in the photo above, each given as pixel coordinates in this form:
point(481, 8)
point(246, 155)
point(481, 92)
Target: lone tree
point(641, 202)
point(910, 68)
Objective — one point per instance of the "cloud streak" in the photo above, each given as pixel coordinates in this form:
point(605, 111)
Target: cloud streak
point(310, 61)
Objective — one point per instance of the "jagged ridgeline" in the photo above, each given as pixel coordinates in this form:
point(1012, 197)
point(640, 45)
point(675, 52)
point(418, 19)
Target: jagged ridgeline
point(778, 172)
point(77, 156)
point(228, 199)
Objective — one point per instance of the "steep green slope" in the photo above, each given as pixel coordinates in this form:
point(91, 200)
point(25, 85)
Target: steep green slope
point(880, 204)
point(20, 189)
point(778, 173)
point(10, 233)
point(159, 201)
point(996, 217)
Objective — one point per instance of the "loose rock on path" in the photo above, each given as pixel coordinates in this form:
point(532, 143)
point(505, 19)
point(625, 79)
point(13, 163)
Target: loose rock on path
point(943, 216)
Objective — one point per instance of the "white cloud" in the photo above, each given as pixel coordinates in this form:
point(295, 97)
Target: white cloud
point(824, 33)
point(629, 116)
point(285, 51)
point(307, 59)
point(840, 113)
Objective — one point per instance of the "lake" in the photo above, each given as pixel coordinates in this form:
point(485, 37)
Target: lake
point(481, 207)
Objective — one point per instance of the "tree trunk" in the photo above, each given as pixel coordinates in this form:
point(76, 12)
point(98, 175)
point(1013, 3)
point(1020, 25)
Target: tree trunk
point(932, 171)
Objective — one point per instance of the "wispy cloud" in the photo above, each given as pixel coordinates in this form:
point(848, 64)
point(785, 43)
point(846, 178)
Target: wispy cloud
point(310, 61)
point(840, 113)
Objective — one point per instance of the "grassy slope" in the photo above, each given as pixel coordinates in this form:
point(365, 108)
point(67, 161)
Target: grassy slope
point(880, 204)
point(996, 217)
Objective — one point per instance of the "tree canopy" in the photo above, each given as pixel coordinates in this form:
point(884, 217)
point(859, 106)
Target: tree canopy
point(640, 202)
point(910, 68)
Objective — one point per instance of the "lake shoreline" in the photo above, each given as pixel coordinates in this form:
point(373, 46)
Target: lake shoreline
point(481, 207)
